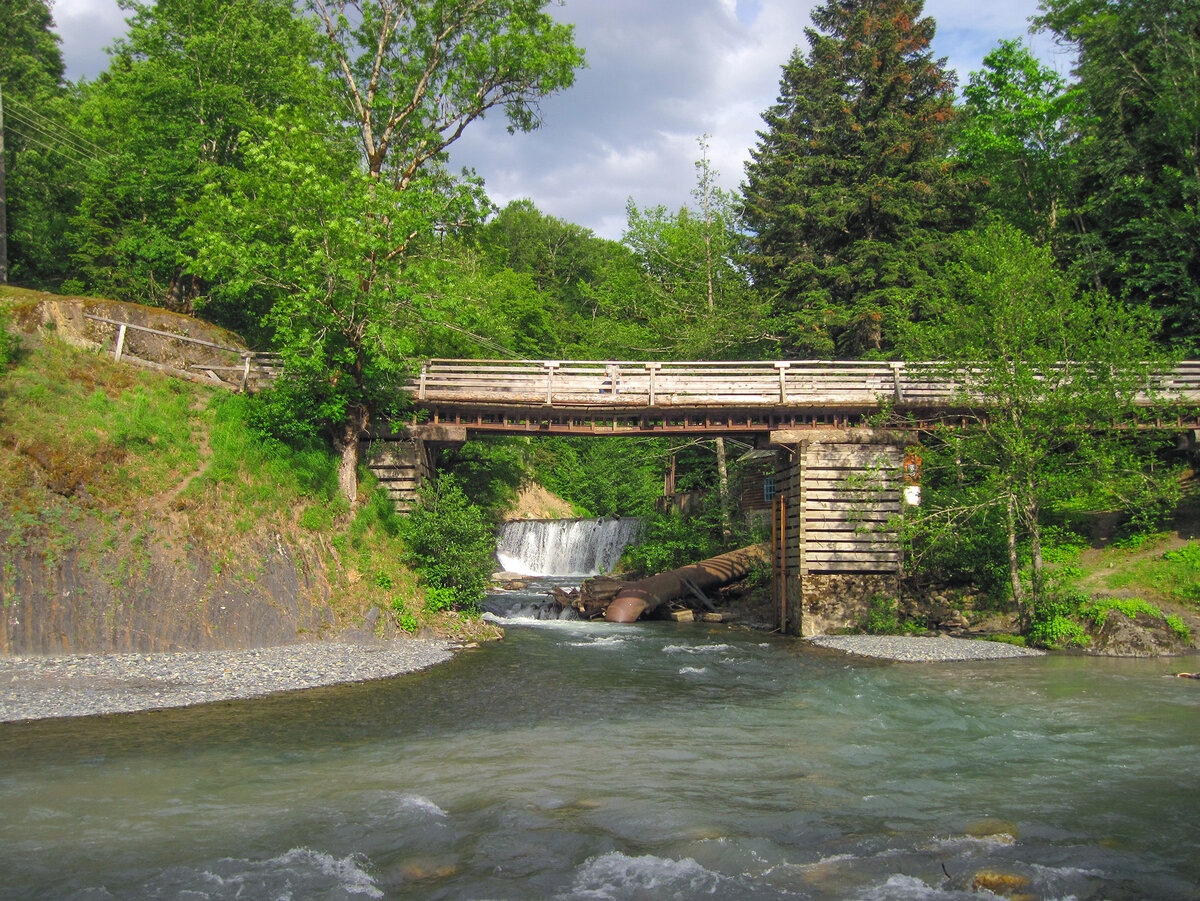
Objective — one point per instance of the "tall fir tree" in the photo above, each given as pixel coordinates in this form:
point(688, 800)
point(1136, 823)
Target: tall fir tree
point(850, 192)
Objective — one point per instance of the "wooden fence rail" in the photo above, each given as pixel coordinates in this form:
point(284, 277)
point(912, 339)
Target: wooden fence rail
point(623, 385)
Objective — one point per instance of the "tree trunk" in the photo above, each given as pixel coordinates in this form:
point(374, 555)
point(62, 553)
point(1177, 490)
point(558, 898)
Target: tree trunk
point(346, 436)
point(1014, 562)
point(723, 488)
point(1037, 575)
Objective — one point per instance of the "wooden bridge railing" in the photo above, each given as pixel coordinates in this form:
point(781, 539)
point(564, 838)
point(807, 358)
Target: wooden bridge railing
point(629, 384)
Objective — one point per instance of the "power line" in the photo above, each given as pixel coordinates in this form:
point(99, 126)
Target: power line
point(82, 143)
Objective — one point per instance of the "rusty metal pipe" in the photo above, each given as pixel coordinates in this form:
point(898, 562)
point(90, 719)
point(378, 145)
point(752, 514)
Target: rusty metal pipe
point(645, 595)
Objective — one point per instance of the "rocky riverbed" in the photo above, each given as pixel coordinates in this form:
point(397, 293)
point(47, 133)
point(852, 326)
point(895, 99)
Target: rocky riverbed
point(922, 650)
point(89, 684)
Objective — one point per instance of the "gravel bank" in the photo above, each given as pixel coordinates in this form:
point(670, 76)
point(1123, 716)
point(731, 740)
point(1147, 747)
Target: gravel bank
point(922, 650)
point(87, 684)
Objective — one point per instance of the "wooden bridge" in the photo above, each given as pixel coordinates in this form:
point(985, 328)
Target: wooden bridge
point(636, 398)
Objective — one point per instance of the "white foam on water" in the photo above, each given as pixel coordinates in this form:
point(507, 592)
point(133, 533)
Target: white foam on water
point(347, 871)
point(420, 805)
point(696, 649)
point(695, 670)
point(615, 876)
point(298, 873)
point(909, 888)
point(606, 641)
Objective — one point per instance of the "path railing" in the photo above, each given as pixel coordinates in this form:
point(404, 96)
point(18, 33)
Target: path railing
point(627, 384)
point(261, 365)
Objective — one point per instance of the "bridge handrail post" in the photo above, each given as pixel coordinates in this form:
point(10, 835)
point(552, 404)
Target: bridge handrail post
point(783, 368)
point(550, 365)
point(896, 367)
point(652, 368)
point(421, 383)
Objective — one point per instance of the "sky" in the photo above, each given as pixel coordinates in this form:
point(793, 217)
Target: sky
point(661, 74)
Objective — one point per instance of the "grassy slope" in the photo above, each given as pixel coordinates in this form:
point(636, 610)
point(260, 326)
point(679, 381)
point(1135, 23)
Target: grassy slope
point(124, 472)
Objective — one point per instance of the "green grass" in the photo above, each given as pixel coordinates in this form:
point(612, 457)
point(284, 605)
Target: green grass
point(112, 461)
point(1173, 575)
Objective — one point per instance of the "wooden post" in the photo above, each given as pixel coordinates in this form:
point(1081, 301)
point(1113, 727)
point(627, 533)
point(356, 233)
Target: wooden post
point(783, 556)
point(652, 368)
point(421, 386)
point(245, 373)
point(550, 367)
point(896, 367)
point(120, 343)
point(783, 368)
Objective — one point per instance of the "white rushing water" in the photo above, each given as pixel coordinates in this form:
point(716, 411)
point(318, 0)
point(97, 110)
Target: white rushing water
point(564, 547)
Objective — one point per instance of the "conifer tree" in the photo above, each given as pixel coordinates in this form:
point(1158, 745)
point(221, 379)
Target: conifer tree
point(849, 189)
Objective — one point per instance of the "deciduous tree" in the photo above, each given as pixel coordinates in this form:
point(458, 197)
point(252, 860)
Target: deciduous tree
point(1059, 370)
point(1020, 139)
point(1138, 77)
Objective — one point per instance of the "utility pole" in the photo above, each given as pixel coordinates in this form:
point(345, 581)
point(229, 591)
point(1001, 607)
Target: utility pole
point(3, 203)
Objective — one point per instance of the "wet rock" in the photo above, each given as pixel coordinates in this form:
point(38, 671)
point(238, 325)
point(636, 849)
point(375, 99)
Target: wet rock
point(1006, 885)
point(516, 585)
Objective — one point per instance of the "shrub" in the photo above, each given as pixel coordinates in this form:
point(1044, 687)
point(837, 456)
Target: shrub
point(450, 542)
point(1053, 623)
point(670, 540)
point(882, 617)
point(9, 342)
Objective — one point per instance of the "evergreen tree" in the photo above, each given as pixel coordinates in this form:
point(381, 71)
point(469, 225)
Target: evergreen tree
point(849, 190)
point(1139, 181)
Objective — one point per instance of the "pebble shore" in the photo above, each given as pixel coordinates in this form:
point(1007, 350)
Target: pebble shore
point(911, 649)
point(88, 684)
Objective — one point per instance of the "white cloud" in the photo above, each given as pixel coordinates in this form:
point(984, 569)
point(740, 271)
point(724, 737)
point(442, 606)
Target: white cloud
point(660, 75)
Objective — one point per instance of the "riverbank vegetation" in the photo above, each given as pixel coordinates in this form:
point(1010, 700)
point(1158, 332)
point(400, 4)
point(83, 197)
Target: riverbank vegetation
point(118, 486)
point(290, 179)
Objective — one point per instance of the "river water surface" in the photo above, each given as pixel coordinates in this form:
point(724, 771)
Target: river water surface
point(652, 761)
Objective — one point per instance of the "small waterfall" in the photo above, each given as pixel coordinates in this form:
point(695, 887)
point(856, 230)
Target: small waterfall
point(564, 547)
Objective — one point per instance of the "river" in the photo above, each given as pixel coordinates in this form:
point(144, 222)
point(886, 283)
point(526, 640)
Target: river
point(652, 761)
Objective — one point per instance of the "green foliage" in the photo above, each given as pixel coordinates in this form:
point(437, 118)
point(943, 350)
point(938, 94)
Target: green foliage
point(490, 471)
point(1054, 364)
point(41, 174)
point(670, 540)
point(1138, 181)
point(882, 616)
point(10, 343)
point(451, 544)
point(849, 193)
point(1053, 622)
point(602, 476)
point(1017, 140)
point(185, 88)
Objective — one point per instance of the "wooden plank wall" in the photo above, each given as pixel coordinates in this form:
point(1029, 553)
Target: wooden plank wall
point(834, 514)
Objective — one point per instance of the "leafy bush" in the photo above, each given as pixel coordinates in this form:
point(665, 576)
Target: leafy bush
point(882, 617)
point(451, 543)
point(1053, 622)
point(670, 540)
point(9, 343)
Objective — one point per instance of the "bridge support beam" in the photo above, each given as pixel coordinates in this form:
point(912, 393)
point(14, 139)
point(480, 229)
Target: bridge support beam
point(838, 497)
